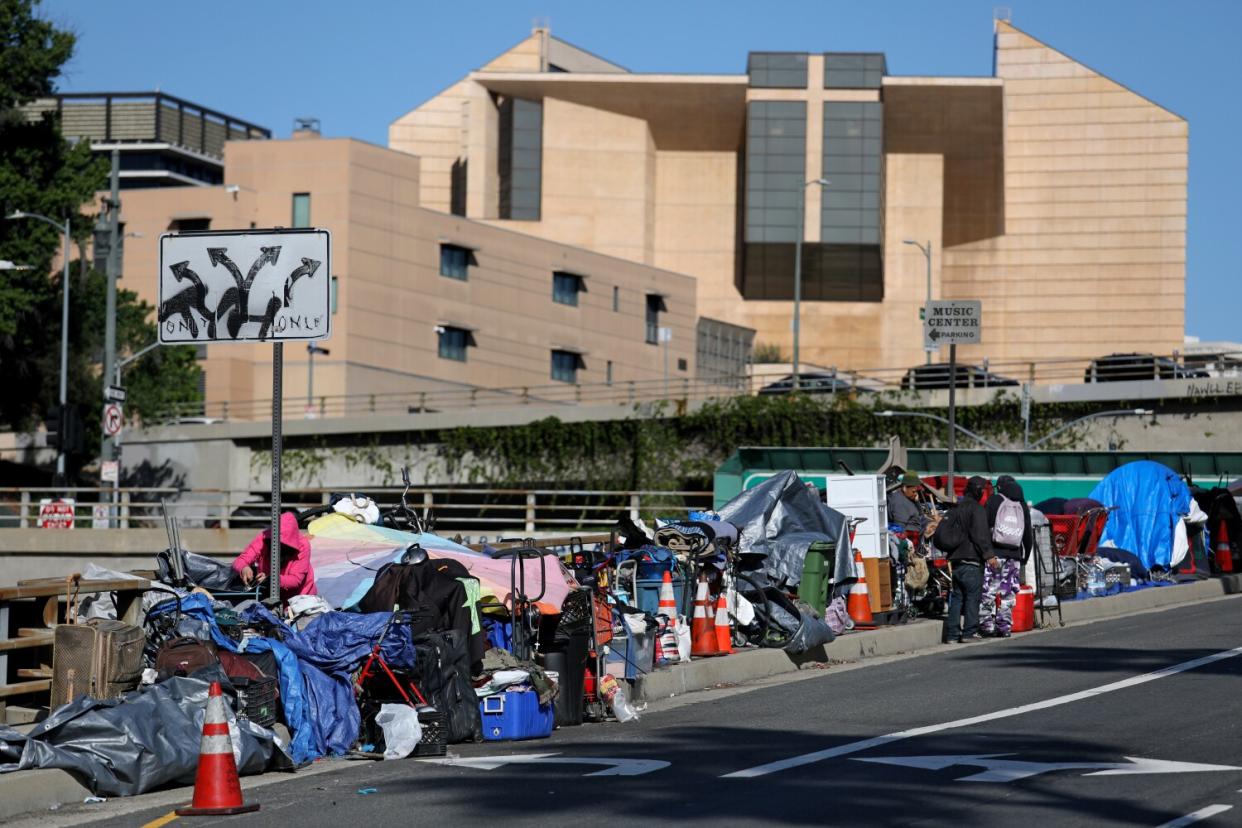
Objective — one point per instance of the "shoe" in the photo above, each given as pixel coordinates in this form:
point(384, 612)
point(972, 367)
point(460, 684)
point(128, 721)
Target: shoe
point(999, 634)
point(967, 639)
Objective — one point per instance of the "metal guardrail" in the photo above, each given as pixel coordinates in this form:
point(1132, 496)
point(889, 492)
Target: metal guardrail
point(1001, 374)
point(457, 510)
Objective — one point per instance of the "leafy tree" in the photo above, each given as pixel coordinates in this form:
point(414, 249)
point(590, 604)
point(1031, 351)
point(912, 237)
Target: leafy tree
point(41, 172)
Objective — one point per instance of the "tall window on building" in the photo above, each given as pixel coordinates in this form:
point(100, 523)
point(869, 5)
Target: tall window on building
point(775, 179)
point(453, 342)
point(847, 265)
point(655, 304)
point(301, 210)
point(454, 261)
point(565, 365)
point(566, 287)
point(520, 161)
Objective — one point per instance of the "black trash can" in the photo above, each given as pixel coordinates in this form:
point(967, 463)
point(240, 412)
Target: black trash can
point(567, 657)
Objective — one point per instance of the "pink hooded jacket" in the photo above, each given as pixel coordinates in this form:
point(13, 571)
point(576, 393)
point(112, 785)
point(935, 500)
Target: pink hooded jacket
point(296, 575)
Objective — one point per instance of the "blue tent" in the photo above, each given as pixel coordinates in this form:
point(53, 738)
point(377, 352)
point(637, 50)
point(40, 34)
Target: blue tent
point(1150, 499)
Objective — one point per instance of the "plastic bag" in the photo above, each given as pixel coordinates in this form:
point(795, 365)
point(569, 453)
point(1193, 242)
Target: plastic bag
point(837, 618)
point(682, 628)
point(812, 632)
point(402, 732)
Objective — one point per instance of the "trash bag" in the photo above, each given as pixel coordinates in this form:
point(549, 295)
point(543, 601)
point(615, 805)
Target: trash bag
point(210, 574)
point(812, 632)
point(402, 732)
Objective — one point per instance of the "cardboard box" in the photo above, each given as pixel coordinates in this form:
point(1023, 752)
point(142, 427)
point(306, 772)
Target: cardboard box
point(879, 572)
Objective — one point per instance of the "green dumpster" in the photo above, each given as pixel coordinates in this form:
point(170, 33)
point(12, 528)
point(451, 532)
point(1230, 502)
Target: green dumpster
point(816, 573)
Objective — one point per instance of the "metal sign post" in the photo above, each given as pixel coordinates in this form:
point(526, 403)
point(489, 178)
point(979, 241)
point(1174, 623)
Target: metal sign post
point(952, 322)
point(285, 294)
point(278, 359)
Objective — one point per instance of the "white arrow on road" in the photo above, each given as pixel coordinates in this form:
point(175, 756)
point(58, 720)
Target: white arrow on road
point(997, 769)
point(614, 767)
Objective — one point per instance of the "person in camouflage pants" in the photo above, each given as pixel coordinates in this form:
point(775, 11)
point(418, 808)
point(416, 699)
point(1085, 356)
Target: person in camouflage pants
point(1001, 582)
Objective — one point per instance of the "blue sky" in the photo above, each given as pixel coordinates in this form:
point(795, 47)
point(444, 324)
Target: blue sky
point(357, 66)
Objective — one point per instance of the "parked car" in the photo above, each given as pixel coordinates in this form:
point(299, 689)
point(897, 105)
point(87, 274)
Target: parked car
point(1130, 367)
point(814, 382)
point(927, 377)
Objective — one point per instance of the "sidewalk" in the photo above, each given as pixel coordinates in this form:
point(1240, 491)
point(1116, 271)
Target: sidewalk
point(26, 792)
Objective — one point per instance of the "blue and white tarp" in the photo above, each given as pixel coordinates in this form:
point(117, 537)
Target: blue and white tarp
point(1150, 500)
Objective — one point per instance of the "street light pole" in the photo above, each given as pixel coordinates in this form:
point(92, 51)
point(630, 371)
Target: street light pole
point(981, 440)
point(1125, 412)
point(64, 337)
point(927, 254)
point(107, 446)
point(797, 317)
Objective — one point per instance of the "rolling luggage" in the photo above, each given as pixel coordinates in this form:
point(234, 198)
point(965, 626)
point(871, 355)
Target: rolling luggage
point(101, 659)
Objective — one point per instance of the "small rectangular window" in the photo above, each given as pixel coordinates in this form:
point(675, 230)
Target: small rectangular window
point(681, 365)
point(608, 373)
point(301, 210)
point(454, 261)
point(565, 365)
point(453, 342)
point(566, 287)
point(655, 304)
point(616, 298)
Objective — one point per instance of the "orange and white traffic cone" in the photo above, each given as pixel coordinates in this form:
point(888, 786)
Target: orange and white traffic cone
point(1224, 551)
point(702, 626)
point(667, 640)
point(724, 633)
point(217, 790)
point(858, 605)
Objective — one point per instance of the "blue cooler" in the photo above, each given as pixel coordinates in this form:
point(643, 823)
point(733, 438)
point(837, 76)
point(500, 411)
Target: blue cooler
point(515, 715)
point(648, 599)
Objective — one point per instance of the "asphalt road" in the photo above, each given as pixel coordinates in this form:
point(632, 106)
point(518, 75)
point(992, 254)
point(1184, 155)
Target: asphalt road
point(971, 760)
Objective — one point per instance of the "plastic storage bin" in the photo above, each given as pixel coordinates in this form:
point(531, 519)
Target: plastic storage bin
point(649, 593)
point(515, 715)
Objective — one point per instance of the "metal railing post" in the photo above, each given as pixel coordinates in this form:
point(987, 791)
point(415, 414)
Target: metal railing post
point(530, 511)
point(631, 391)
point(24, 515)
point(474, 395)
point(525, 396)
point(124, 516)
point(635, 503)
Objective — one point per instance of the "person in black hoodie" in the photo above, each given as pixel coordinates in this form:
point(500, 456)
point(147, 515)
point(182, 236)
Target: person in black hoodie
point(996, 617)
point(968, 558)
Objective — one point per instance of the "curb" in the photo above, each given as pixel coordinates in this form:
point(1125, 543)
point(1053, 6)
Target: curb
point(751, 665)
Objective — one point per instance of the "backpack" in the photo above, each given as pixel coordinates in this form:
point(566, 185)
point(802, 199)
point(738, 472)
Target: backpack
point(949, 534)
point(1010, 523)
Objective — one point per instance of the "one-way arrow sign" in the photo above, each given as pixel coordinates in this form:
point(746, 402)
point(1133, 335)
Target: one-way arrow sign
point(614, 767)
point(998, 769)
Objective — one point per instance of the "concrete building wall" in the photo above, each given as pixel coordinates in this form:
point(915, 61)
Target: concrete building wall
point(1092, 259)
point(391, 295)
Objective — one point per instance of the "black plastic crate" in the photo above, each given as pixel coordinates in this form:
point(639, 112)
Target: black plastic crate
point(435, 733)
point(257, 700)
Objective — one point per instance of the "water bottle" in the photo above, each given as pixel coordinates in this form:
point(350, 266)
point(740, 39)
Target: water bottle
point(614, 695)
point(1095, 581)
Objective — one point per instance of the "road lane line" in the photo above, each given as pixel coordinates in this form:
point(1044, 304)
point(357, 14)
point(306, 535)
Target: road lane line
point(1202, 813)
point(162, 821)
point(877, 741)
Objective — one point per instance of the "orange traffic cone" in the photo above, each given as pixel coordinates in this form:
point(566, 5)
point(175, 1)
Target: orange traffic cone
point(667, 640)
point(1224, 552)
point(217, 790)
point(702, 626)
point(859, 602)
point(724, 633)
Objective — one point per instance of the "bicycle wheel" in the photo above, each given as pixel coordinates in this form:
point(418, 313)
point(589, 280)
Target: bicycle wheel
point(755, 631)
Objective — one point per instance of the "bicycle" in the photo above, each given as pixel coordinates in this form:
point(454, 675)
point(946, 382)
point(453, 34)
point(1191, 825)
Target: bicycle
point(402, 517)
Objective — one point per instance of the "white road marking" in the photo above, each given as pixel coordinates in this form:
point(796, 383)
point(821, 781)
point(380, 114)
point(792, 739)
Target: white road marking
point(614, 767)
point(996, 768)
point(878, 741)
point(1202, 813)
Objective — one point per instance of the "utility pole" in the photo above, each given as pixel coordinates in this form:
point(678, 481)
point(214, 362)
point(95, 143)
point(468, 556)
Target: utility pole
point(108, 448)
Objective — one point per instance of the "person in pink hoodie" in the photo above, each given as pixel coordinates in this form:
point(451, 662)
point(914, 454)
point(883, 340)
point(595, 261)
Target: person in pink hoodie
point(297, 577)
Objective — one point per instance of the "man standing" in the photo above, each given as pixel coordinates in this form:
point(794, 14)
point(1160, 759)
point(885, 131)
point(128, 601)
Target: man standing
point(1009, 522)
point(968, 557)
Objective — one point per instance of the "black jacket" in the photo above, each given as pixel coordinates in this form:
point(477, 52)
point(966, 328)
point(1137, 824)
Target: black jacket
point(1009, 487)
point(974, 524)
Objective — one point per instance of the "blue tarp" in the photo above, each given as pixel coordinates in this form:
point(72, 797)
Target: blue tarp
point(1150, 499)
point(316, 691)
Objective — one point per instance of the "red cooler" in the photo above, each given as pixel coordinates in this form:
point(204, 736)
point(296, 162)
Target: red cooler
point(1024, 610)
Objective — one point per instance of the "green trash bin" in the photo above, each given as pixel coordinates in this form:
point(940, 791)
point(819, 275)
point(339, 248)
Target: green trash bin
point(816, 575)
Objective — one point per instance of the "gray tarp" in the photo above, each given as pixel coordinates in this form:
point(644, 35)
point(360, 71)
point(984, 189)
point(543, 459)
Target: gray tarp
point(780, 519)
point(147, 739)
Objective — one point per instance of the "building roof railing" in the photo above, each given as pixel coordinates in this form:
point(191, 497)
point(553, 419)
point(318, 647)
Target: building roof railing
point(146, 117)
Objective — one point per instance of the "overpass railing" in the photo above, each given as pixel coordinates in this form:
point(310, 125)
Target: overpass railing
point(457, 510)
point(762, 379)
